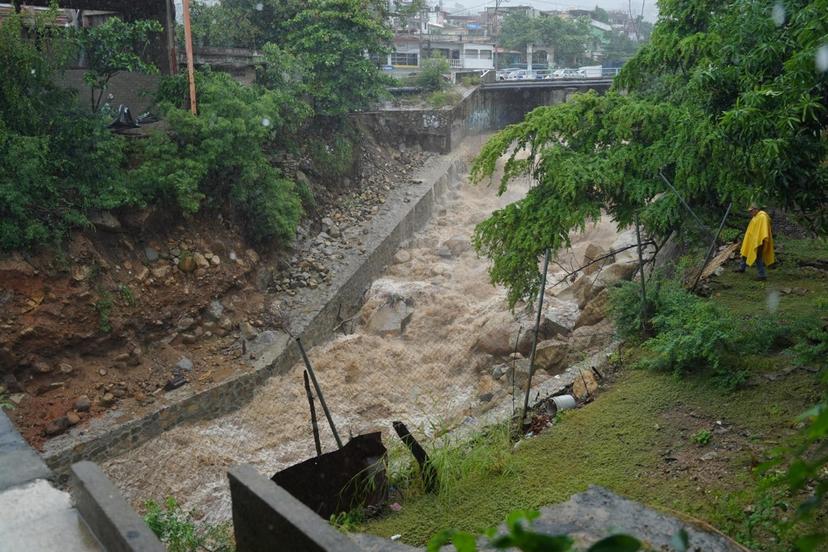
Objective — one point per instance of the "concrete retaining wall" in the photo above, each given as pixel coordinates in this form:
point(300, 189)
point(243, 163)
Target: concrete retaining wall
point(266, 517)
point(314, 325)
point(113, 522)
point(480, 110)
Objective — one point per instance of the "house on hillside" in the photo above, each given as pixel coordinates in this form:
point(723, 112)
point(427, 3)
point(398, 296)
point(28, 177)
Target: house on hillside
point(461, 39)
point(461, 51)
point(601, 34)
point(88, 13)
point(494, 16)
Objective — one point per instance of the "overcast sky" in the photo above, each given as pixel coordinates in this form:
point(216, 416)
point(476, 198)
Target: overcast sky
point(650, 9)
point(476, 6)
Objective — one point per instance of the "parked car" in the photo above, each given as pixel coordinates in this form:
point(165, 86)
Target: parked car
point(503, 74)
point(525, 74)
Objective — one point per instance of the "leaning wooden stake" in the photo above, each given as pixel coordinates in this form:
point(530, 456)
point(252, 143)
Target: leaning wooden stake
point(712, 247)
point(535, 338)
point(319, 393)
point(314, 425)
point(420, 455)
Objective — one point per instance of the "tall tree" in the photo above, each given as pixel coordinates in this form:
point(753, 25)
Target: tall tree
point(567, 38)
point(334, 39)
point(725, 102)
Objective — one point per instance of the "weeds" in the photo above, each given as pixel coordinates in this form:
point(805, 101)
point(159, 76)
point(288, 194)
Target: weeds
point(5, 402)
point(104, 308)
point(701, 437)
point(126, 294)
point(178, 531)
point(348, 522)
point(488, 453)
point(440, 98)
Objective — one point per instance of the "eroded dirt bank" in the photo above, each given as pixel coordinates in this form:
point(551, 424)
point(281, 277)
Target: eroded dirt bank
point(428, 347)
point(97, 329)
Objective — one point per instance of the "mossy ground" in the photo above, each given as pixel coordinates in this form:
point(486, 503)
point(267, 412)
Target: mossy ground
point(636, 438)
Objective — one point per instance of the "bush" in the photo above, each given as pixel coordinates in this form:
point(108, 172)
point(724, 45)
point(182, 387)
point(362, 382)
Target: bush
point(442, 98)
point(431, 73)
point(690, 333)
point(471, 80)
point(332, 156)
point(219, 157)
point(56, 161)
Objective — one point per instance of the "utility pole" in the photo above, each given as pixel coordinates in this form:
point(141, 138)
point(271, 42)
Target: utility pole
point(188, 45)
point(495, 29)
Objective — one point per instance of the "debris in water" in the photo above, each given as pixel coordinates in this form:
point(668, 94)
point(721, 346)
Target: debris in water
point(427, 470)
point(340, 480)
point(175, 383)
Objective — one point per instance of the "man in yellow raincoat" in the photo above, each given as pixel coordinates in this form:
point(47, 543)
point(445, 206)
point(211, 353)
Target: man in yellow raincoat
point(757, 247)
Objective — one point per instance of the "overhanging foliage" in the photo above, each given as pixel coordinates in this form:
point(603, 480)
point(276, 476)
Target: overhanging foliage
point(727, 103)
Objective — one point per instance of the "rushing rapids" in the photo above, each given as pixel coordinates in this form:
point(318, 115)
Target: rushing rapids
point(410, 354)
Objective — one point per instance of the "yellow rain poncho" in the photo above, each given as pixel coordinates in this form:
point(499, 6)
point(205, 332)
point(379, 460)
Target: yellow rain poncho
point(758, 231)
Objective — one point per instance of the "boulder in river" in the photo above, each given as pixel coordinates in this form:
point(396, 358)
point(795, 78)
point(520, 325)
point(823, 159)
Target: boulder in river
point(592, 253)
point(594, 311)
point(498, 335)
point(550, 355)
point(457, 245)
point(390, 318)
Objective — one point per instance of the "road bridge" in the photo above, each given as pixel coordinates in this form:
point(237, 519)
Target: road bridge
point(599, 84)
point(490, 106)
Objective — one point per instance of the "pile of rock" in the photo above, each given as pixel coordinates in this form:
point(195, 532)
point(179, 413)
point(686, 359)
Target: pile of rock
point(563, 339)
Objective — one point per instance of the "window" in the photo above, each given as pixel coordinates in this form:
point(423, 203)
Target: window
point(485, 54)
point(471, 54)
point(398, 58)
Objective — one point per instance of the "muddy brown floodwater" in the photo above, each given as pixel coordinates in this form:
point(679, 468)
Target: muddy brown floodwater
point(430, 376)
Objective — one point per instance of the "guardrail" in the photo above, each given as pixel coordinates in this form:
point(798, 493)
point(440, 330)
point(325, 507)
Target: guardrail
point(551, 83)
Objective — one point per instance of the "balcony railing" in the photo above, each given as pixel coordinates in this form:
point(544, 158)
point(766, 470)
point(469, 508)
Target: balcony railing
point(456, 63)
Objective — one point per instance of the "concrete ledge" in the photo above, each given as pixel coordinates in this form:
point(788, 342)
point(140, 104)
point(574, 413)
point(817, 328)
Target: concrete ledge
point(116, 526)
point(267, 518)
point(19, 464)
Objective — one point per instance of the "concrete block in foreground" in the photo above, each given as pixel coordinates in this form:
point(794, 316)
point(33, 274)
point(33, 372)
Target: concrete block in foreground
point(266, 518)
point(19, 464)
point(113, 522)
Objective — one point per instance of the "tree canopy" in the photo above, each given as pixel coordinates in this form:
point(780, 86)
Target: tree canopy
point(568, 39)
point(727, 101)
point(329, 39)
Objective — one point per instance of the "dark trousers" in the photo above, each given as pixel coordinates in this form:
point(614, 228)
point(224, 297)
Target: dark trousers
point(760, 264)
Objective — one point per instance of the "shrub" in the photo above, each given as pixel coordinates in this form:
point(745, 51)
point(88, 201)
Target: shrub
point(178, 531)
point(701, 437)
point(471, 80)
point(690, 333)
point(56, 161)
point(332, 156)
point(431, 73)
point(443, 98)
point(219, 156)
